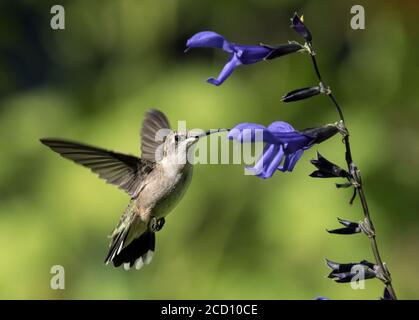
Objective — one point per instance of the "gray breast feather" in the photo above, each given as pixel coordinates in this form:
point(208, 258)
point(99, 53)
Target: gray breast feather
point(162, 194)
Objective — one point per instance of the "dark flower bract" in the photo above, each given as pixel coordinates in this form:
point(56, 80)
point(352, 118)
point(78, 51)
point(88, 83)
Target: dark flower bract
point(348, 272)
point(349, 227)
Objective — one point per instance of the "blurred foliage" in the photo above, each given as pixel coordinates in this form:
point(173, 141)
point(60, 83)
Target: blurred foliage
point(232, 236)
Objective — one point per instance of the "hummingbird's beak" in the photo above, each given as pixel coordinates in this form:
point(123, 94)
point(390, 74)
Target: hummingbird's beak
point(191, 140)
point(211, 131)
point(195, 137)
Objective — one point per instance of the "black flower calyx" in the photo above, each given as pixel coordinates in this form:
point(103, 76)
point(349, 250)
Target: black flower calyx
point(327, 169)
point(349, 227)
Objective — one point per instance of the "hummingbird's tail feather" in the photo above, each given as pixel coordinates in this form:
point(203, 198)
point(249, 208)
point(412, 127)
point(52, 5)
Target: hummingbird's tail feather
point(116, 245)
point(138, 253)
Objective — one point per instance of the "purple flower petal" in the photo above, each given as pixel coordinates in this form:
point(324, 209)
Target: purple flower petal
point(208, 39)
point(280, 126)
point(251, 132)
point(291, 161)
point(265, 158)
point(268, 162)
point(293, 141)
point(251, 54)
point(282, 140)
point(245, 132)
point(284, 133)
point(242, 54)
point(226, 72)
point(273, 165)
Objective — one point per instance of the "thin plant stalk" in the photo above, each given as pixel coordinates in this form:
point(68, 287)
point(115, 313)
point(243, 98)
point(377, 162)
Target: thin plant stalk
point(357, 183)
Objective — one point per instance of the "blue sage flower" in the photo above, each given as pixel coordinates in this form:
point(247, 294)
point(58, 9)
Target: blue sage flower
point(239, 54)
point(284, 145)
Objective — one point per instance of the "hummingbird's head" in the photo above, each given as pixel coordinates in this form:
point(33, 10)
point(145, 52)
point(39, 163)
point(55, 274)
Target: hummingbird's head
point(180, 139)
point(178, 143)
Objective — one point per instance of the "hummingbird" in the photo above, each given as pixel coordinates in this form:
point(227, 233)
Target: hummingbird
point(155, 182)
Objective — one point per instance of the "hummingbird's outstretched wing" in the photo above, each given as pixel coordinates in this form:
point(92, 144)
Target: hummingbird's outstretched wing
point(154, 121)
point(125, 171)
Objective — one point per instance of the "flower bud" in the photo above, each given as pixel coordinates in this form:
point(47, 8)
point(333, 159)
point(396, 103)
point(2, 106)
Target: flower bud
point(301, 94)
point(298, 25)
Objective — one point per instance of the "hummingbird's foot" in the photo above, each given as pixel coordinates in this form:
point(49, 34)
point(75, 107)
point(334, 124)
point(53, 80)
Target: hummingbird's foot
point(160, 224)
point(156, 224)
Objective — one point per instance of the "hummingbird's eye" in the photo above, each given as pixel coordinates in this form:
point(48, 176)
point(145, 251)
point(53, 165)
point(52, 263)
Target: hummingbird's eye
point(176, 138)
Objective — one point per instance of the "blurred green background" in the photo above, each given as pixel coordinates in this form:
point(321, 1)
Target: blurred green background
point(232, 236)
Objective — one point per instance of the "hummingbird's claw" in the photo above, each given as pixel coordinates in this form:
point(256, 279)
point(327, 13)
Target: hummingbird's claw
point(156, 224)
point(160, 224)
